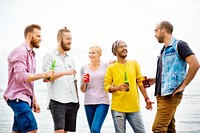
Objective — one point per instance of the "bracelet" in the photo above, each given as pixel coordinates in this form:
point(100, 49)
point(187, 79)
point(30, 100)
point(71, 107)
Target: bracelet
point(147, 99)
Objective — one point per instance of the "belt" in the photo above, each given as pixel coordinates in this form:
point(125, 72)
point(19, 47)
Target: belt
point(19, 100)
point(16, 100)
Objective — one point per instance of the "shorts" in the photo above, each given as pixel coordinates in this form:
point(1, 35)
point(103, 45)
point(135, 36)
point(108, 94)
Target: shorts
point(64, 115)
point(24, 120)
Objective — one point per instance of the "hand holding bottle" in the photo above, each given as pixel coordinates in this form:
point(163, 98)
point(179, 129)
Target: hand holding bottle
point(48, 74)
point(122, 87)
point(52, 68)
point(145, 82)
point(126, 81)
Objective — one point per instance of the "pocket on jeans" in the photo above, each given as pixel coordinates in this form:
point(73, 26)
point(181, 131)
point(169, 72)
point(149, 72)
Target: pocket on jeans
point(24, 120)
point(52, 104)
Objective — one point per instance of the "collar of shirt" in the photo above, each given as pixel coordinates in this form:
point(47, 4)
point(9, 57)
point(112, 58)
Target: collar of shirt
point(29, 49)
point(169, 45)
point(57, 53)
point(171, 42)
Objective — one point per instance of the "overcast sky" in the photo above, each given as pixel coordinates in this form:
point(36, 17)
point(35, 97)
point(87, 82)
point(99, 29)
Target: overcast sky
point(100, 22)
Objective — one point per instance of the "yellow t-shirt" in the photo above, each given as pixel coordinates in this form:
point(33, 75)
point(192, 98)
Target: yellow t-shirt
point(124, 101)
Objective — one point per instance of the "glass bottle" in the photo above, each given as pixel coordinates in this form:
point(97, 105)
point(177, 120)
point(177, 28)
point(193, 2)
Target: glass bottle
point(126, 80)
point(52, 68)
point(145, 82)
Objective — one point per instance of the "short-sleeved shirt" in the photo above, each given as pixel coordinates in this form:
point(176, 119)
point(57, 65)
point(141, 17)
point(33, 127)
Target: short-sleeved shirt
point(62, 89)
point(183, 50)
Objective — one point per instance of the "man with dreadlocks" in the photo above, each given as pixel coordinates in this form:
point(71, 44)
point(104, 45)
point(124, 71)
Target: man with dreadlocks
point(62, 90)
point(125, 104)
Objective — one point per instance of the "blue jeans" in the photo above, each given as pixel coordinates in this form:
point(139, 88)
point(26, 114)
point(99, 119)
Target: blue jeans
point(134, 119)
point(96, 115)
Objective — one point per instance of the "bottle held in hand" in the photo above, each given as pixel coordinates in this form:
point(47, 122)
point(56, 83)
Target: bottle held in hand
point(126, 80)
point(52, 68)
point(145, 82)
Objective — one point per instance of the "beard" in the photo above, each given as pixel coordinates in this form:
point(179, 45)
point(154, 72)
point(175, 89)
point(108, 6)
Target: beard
point(34, 43)
point(122, 55)
point(160, 39)
point(64, 47)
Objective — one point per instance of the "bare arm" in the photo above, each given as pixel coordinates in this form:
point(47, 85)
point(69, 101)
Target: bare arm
point(60, 74)
point(143, 91)
point(83, 86)
point(33, 77)
point(193, 68)
point(147, 100)
point(151, 80)
point(36, 107)
point(122, 87)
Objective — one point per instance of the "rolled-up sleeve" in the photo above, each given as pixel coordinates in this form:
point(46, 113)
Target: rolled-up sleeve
point(81, 74)
point(139, 77)
point(47, 62)
point(19, 65)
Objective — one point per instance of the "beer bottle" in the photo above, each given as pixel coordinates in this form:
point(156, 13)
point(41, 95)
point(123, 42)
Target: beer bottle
point(126, 81)
point(145, 82)
point(52, 68)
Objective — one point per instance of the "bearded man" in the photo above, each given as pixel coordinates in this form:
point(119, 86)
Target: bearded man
point(19, 94)
point(125, 105)
point(62, 91)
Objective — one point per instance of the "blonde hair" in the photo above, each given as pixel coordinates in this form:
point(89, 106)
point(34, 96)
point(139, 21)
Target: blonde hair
point(97, 48)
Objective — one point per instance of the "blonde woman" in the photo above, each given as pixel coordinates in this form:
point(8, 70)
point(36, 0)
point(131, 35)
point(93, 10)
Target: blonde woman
point(96, 100)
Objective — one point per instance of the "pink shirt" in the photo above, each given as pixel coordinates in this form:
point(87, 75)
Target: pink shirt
point(21, 62)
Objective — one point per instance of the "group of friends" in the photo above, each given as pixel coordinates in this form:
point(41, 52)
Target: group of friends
point(171, 78)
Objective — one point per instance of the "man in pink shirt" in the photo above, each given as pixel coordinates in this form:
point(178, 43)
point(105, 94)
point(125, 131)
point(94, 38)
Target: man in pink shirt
point(19, 94)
